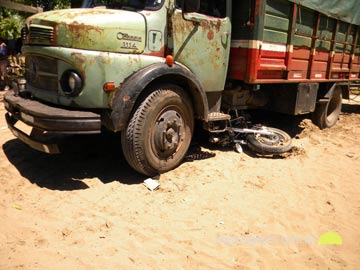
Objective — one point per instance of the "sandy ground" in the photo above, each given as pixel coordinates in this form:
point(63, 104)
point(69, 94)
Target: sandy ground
point(86, 209)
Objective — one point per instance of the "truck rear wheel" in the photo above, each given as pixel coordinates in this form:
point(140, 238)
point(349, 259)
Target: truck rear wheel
point(327, 113)
point(159, 132)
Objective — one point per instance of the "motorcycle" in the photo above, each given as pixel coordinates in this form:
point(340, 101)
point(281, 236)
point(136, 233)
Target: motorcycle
point(261, 139)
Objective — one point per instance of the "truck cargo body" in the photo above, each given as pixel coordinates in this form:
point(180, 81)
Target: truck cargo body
point(278, 41)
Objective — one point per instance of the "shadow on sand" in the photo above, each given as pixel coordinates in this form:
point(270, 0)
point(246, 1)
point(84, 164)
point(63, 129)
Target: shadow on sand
point(351, 108)
point(100, 156)
point(83, 157)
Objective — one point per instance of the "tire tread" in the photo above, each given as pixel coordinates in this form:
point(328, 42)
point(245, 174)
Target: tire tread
point(132, 137)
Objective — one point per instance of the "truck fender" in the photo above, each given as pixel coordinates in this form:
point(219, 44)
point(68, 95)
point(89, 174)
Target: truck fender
point(125, 99)
point(344, 89)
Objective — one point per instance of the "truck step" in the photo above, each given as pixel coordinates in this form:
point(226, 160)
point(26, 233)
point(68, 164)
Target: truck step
point(217, 116)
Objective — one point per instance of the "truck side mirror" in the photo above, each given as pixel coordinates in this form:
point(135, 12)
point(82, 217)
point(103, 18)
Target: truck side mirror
point(190, 6)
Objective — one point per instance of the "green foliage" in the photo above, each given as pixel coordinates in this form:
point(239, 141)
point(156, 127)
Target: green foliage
point(47, 4)
point(10, 26)
point(50, 5)
point(11, 21)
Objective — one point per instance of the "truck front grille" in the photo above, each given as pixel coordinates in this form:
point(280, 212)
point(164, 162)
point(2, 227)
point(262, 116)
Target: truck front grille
point(42, 73)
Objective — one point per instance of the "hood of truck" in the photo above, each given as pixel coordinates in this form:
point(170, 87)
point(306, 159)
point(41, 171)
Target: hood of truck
point(90, 29)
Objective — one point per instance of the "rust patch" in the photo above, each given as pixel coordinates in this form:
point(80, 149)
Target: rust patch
point(78, 13)
point(160, 53)
point(79, 35)
point(77, 29)
point(78, 57)
point(112, 95)
point(210, 35)
point(257, 11)
point(204, 24)
point(80, 61)
point(169, 21)
point(91, 61)
point(218, 25)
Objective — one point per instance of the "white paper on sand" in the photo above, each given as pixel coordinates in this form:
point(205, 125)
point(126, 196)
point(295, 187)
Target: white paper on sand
point(151, 184)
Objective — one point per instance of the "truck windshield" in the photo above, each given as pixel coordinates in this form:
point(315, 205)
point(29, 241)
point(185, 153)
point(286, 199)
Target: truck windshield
point(124, 4)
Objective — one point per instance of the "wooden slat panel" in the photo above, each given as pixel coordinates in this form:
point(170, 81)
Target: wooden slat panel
point(276, 23)
point(318, 75)
point(299, 64)
point(323, 45)
point(348, 49)
point(321, 56)
point(275, 36)
point(339, 47)
point(320, 66)
point(270, 74)
point(347, 58)
point(271, 63)
point(355, 68)
point(356, 59)
point(336, 66)
point(338, 57)
point(272, 54)
point(302, 41)
point(301, 53)
point(297, 75)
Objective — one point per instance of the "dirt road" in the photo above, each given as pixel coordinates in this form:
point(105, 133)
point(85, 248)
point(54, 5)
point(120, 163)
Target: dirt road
point(86, 209)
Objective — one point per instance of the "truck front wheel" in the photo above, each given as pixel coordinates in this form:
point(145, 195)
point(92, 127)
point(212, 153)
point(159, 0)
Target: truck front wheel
point(159, 132)
point(327, 113)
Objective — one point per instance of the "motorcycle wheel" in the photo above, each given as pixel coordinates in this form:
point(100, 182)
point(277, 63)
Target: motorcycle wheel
point(277, 143)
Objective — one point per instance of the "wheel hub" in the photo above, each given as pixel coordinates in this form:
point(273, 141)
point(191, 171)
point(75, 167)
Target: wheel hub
point(270, 139)
point(168, 133)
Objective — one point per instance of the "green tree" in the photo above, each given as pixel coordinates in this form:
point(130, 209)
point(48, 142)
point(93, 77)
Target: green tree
point(10, 28)
point(11, 21)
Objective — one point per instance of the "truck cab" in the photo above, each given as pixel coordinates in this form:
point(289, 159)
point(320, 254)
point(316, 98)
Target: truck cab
point(142, 68)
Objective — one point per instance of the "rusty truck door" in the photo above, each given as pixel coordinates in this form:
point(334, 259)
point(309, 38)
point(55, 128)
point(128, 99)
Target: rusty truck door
point(202, 42)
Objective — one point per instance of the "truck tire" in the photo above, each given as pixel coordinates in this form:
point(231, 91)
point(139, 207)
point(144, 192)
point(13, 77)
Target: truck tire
point(327, 113)
point(159, 132)
point(278, 143)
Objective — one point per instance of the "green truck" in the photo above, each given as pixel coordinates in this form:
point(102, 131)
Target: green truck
point(150, 69)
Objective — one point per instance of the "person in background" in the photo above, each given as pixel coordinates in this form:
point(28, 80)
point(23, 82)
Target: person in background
point(18, 45)
point(11, 47)
point(4, 80)
point(18, 55)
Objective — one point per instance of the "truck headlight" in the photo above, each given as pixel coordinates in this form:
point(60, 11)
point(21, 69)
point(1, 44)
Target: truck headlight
point(71, 83)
